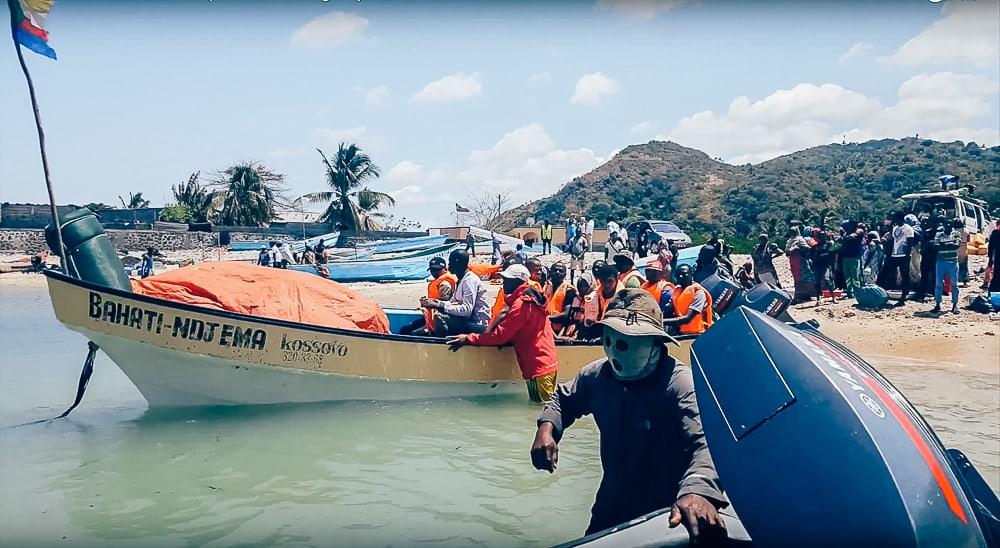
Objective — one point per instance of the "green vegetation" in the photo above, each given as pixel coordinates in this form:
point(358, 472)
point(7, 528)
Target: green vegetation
point(352, 205)
point(176, 213)
point(246, 195)
point(196, 199)
point(663, 180)
point(135, 201)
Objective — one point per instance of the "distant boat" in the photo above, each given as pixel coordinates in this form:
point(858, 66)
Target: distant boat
point(409, 267)
point(181, 355)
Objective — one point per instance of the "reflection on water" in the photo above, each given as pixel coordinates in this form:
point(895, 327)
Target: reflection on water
point(451, 472)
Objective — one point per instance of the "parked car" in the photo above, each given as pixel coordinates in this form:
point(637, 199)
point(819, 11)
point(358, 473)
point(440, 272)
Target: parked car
point(656, 231)
point(955, 205)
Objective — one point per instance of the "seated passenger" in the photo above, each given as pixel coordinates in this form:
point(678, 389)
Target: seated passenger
point(441, 288)
point(627, 273)
point(692, 305)
point(556, 289)
point(578, 319)
point(657, 286)
point(467, 311)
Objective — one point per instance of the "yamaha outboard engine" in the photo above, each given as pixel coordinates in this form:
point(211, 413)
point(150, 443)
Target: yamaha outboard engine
point(764, 298)
point(723, 292)
point(816, 448)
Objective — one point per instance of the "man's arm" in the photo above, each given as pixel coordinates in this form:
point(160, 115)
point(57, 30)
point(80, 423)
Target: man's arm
point(504, 331)
point(570, 402)
point(447, 290)
point(463, 309)
point(700, 477)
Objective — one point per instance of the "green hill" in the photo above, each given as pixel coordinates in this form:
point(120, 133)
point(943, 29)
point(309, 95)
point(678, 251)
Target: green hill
point(664, 180)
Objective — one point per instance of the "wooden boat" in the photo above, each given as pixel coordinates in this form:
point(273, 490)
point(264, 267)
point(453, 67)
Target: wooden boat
point(410, 267)
point(408, 244)
point(181, 355)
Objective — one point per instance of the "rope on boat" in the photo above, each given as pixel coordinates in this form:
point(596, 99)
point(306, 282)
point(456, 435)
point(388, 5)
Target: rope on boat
point(88, 370)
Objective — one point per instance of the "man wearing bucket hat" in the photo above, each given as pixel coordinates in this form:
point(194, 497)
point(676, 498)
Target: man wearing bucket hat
point(652, 446)
point(525, 325)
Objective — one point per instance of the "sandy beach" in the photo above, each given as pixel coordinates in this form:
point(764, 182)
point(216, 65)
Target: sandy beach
point(967, 340)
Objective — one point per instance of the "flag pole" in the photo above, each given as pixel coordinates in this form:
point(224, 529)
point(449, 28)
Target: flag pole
point(41, 139)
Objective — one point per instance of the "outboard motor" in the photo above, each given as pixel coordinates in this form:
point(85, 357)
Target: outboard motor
point(764, 298)
point(816, 448)
point(89, 253)
point(723, 292)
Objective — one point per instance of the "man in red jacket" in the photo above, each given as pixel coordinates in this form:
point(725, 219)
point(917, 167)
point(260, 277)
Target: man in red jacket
point(526, 326)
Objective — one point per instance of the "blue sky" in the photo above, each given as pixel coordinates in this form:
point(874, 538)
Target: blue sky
point(451, 98)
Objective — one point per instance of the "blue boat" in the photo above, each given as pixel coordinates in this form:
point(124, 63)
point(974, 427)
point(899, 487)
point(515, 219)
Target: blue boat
point(409, 268)
point(408, 244)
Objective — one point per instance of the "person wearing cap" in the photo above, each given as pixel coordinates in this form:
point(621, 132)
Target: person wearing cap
point(263, 257)
point(534, 268)
point(467, 311)
point(525, 325)
point(627, 272)
point(692, 304)
point(653, 450)
point(660, 289)
point(441, 287)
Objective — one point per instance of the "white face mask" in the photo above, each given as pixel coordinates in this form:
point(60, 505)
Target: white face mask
point(632, 358)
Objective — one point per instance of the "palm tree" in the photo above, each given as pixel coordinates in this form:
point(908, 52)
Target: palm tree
point(351, 205)
point(135, 201)
point(246, 195)
point(197, 198)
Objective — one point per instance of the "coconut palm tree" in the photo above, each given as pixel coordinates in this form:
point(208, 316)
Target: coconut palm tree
point(246, 195)
point(352, 206)
point(196, 198)
point(135, 201)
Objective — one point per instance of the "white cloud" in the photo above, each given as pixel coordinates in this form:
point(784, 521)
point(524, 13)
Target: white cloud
point(329, 30)
point(525, 160)
point(942, 106)
point(377, 96)
point(859, 49)
point(640, 9)
point(543, 76)
point(591, 88)
point(455, 87)
point(643, 128)
point(967, 32)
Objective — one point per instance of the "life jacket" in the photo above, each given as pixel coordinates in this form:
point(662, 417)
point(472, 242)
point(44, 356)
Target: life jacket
point(626, 276)
point(682, 300)
point(656, 288)
point(556, 299)
point(585, 312)
point(602, 302)
point(434, 292)
point(502, 297)
point(546, 232)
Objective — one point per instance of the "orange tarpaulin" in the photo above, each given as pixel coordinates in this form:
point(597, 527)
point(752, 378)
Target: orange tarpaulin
point(267, 293)
point(484, 271)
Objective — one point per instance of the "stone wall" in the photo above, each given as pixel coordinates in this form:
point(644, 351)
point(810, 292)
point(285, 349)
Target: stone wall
point(33, 240)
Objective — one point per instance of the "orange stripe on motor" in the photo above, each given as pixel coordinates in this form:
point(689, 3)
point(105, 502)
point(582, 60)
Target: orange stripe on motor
point(911, 432)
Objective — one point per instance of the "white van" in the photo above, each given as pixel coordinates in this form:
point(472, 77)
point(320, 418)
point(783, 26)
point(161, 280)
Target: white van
point(956, 204)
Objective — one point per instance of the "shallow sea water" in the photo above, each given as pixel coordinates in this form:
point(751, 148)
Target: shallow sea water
point(435, 473)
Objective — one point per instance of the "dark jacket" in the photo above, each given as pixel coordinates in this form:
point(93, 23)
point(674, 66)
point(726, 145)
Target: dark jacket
point(653, 450)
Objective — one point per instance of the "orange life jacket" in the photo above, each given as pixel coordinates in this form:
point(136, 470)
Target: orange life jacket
point(626, 276)
point(656, 288)
point(434, 292)
point(556, 299)
point(602, 302)
point(682, 300)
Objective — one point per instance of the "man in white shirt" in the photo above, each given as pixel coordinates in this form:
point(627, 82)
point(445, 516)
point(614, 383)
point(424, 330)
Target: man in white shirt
point(612, 228)
point(467, 311)
point(589, 231)
point(902, 234)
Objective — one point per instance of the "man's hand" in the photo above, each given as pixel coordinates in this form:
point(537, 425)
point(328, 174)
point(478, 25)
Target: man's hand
point(456, 342)
point(545, 450)
point(429, 303)
point(701, 519)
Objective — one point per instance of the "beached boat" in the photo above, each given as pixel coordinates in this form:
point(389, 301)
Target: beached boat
point(181, 355)
point(407, 244)
point(410, 267)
